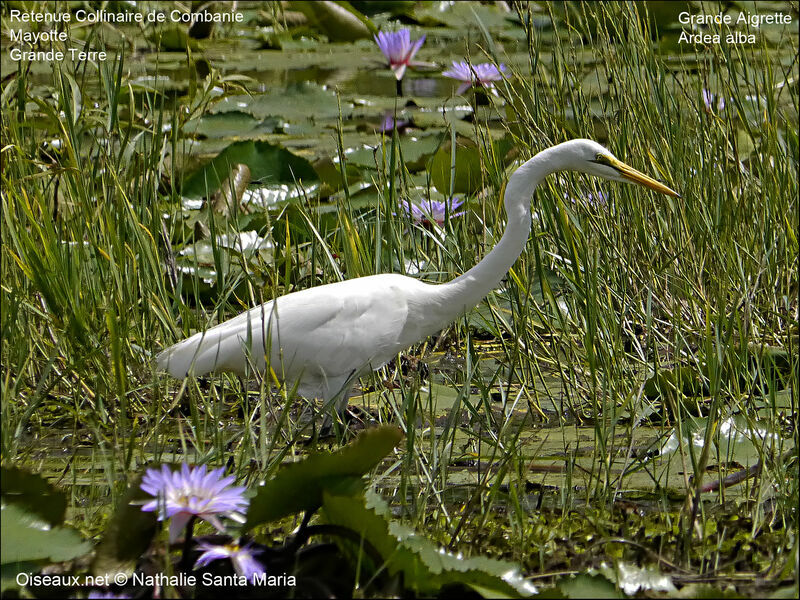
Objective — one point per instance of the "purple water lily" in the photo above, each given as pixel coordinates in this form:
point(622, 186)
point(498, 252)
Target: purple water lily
point(432, 211)
point(389, 123)
point(598, 200)
point(483, 75)
point(709, 101)
point(398, 49)
point(181, 495)
point(242, 558)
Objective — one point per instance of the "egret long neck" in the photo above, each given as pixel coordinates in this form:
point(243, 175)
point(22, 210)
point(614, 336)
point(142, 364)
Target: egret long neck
point(469, 289)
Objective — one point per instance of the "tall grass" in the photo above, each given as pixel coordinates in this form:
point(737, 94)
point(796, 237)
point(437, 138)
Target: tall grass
point(604, 297)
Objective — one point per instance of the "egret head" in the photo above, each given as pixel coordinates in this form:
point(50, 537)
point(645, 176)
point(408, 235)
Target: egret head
point(591, 158)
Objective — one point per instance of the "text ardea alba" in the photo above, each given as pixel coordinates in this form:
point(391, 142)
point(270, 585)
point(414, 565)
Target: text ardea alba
point(321, 338)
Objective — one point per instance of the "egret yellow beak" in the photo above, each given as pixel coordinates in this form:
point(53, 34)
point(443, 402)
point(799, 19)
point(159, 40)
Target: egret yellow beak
point(635, 176)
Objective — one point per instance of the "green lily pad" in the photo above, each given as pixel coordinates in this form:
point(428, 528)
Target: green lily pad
point(415, 151)
point(34, 494)
point(739, 439)
point(426, 567)
point(301, 102)
point(26, 537)
point(587, 586)
point(337, 20)
point(231, 124)
point(173, 37)
point(631, 578)
point(300, 486)
point(266, 161)
point(685, 380)
point(395, 7)
point(467, 168)
point(461, 15)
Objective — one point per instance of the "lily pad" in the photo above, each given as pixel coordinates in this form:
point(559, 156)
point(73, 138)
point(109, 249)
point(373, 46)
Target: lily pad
point(300, 486)
point(34, 494)
point(266, 161)
point(631, 578)
point(231, 124)
point(461, 15)
point(301, 102)
point(426, 567)
point(337, 20)
point(587, 586)
point(26, 537)
point(173, 37)
point(415, 152)
point(467, 168)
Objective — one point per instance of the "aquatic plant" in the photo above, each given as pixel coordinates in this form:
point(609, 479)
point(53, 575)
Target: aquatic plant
point(713, 102)
point(242, 557)
point(432, 211)
point(398, 49)
point(481, 75)
point(191, 492)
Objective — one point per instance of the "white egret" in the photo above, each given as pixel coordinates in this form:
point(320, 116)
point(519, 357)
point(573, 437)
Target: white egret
point(321, 338)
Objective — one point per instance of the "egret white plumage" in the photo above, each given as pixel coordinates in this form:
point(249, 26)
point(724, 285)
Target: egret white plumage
point(320, 339)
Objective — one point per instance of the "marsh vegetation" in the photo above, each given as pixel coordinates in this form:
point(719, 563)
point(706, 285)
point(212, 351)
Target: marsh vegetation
point(586, 421)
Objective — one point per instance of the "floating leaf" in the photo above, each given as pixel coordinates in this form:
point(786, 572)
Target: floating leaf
point(587, 586)
point(371, 7)
point(277, 195)
point(705, 591)
point(681, 379)
point(229, 124)
point(415, 152)
point(461, 16)
point(26, 537)
point(467, 168)
point(265, 161)
point(739, 438)
point(337, 20)
point(231, 259)
point(305, 101)
point(426, 567)
point(299, 486)
point(172, 37)
point(767, 366)
point(34, 494)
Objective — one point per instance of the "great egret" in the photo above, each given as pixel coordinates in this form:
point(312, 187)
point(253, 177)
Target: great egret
point(321, 338)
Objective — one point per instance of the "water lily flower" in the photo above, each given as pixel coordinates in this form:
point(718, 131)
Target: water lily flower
point(190, 492)
point(708, 101)
point(389, 123)
point(432, 211)
point(483, 75)
point(242, 558)
point(709, 98)
point(398, 49)
point(598, 200)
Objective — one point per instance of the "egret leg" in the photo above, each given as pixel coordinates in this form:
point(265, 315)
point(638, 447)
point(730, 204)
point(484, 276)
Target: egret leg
point(331, 426)
point(341, 404)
